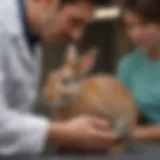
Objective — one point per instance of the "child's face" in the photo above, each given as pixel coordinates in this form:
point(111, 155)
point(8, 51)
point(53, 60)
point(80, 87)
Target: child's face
point(145, 35)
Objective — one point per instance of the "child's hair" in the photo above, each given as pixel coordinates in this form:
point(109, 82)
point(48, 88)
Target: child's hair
point(148, 10)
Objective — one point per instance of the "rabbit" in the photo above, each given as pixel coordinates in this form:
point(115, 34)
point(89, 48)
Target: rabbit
point(73, 92)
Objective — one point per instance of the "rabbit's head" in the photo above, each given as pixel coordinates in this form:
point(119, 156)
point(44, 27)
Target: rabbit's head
point(65, 84)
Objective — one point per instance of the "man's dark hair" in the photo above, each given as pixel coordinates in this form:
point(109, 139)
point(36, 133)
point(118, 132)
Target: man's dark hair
point(148, 10)
point(74, 1)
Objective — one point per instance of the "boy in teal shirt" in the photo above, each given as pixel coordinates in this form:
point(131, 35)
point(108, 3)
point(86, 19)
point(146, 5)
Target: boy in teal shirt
point(142, 77)
point(140, 71)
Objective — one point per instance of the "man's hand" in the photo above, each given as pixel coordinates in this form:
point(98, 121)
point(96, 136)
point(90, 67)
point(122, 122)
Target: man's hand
point(85, 133)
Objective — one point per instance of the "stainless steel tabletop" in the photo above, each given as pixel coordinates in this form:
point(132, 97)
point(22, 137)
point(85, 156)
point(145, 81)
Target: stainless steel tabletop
point(137, 151)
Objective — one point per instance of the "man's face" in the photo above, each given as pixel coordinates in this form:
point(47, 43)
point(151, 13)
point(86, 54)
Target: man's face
point(66, 22)
point(145, 35)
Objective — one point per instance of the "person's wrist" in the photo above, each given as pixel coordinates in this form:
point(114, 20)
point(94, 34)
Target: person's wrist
point(53, 133)
point(57, 133)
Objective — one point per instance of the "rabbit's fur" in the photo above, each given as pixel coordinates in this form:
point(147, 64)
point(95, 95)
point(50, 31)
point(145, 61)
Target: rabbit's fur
point(73, 93)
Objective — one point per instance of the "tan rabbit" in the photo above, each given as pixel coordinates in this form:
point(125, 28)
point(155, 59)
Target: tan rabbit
point(72, 93)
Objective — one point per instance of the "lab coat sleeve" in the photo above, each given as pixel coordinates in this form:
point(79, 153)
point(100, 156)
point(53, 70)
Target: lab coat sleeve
point(19, 133)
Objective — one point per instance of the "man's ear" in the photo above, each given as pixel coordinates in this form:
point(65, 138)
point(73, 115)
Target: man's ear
point(87, 62)
point(71, 54)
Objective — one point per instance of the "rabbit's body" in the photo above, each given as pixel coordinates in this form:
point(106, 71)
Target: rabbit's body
point(103, 96)
point(98, 95)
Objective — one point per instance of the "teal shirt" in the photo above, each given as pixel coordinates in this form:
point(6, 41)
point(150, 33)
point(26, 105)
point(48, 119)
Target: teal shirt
point(142, 77)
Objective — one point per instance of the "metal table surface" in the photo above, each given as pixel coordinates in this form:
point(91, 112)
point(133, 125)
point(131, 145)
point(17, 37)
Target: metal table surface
point(137, 151)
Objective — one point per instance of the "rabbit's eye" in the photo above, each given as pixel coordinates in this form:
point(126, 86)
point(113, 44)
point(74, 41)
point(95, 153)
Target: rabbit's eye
point(66, 81)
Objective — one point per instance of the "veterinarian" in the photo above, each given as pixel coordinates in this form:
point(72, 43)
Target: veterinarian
point(22, 24)
point(140, 70)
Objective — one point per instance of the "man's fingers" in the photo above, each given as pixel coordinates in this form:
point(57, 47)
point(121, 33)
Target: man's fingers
point(100, 140)
point(105, 135)
point(99, 123)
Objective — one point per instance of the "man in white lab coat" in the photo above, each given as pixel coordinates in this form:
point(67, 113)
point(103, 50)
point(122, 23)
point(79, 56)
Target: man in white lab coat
point(22, 24)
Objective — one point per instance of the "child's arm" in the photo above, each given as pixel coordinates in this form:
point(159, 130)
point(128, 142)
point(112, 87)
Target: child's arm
point(151, 132)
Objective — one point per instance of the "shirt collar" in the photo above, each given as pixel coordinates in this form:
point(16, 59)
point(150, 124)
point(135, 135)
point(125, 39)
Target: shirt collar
point(32, 40)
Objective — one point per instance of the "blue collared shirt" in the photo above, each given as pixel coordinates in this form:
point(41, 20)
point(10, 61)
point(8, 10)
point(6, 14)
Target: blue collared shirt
point(31, 38)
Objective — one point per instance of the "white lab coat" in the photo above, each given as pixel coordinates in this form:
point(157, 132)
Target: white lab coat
point(20, 131)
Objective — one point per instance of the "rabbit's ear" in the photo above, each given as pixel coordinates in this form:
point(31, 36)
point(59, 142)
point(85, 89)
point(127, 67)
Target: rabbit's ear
point(87, 61)
point(71, 54)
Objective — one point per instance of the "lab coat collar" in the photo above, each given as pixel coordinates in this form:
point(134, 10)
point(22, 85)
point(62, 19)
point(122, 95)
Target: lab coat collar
point(32, 40)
